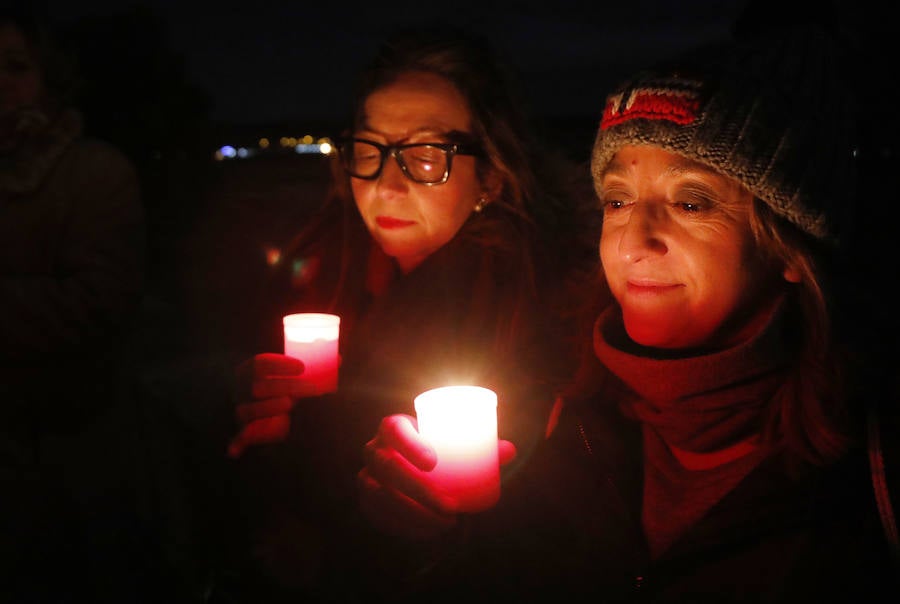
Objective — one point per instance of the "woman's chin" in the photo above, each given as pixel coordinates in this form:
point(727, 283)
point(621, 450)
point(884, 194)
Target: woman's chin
point(658, 331)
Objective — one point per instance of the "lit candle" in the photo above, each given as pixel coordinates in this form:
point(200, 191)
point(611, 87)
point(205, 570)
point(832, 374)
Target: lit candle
point(460, 422)
point(313, 338)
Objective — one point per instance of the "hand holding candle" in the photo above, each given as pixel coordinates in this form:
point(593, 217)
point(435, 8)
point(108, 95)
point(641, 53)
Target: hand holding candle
point(395, 493)
point(460, 423)
point(313, 338)
point(266, 386)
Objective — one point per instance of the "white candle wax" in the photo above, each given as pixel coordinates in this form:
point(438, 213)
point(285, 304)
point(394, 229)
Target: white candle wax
point(460, 422)
point(313, 338)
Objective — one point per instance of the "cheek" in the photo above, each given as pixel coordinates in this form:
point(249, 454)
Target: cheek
point(728, 284)
point(718, 273)
point(362, 195)
point(448, 208)
point(608, 258)
point(606, 248)
point(444, 222)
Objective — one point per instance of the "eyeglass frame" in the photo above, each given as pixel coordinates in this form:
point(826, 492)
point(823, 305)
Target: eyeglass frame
point(449, 149)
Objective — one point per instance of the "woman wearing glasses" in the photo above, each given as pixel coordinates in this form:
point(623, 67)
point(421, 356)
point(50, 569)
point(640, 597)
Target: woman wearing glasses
point(446, 220)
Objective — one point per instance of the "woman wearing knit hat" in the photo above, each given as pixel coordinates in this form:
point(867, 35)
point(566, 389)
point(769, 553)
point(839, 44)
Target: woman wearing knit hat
point(713, 449)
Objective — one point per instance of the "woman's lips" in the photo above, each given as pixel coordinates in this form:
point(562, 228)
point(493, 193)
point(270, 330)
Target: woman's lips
point(650, 288)
point(389, 222)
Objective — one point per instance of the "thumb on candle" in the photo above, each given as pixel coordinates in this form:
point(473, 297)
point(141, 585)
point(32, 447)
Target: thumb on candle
point(400, 432)
point(506, 451)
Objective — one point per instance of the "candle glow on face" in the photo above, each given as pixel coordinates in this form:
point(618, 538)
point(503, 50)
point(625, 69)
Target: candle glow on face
point(460, 422)
point(313, 338)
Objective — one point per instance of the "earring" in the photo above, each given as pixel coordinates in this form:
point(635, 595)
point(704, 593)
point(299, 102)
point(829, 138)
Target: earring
point(482, 201)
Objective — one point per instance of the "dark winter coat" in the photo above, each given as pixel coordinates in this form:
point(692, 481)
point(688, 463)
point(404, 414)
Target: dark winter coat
point(568, 529)
point(71, 275)
point(569, 526)
point(71, 278)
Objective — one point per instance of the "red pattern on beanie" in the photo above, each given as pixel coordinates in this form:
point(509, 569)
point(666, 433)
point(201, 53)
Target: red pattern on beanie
point(678, 106)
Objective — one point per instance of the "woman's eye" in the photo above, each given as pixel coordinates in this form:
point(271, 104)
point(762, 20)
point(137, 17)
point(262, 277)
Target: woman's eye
point(366, 154)
point(695, 204)
point(690, 207)
point(694, 200)
point(611, 204)
point(423, 155)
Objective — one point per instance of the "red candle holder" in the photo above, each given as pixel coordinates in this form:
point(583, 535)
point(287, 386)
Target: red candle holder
point(313, 338)
point(460, 422)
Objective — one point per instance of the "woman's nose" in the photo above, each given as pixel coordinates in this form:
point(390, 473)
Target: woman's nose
point(392, 178)
point(643, 235)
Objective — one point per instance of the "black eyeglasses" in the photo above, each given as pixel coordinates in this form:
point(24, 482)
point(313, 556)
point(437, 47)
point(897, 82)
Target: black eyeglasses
point(424, 163)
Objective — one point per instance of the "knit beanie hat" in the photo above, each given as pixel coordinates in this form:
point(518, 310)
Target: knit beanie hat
point(771, 112)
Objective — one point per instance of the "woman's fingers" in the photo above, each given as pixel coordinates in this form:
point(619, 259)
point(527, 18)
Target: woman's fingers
point(260, 431)
point(247, 412)
point(288, 385)
point(400, 432)
point(395, 513)
point(506, 451)
point(269, 375)
point(399, 460)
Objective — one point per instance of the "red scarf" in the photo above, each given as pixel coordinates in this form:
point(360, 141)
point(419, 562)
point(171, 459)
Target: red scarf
point(700, 404)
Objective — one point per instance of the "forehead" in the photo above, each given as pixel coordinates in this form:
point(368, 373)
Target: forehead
point(666, 163)
point(416, 102)
point(654, 165)
point(629, 155)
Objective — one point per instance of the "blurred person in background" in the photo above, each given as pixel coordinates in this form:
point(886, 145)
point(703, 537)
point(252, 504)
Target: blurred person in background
point(71, 277)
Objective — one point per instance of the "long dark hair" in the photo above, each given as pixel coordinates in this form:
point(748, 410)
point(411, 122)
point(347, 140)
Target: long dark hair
point(809, 415)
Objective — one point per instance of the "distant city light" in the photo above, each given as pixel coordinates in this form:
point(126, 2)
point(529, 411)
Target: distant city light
point(273, 256)
point(308, 148)
point(225, 152)
point(304, 145)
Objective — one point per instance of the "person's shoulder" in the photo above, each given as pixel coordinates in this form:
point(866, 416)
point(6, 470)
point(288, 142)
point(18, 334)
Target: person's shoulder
point(94, 151)
point(97, 174)
point(90, 163)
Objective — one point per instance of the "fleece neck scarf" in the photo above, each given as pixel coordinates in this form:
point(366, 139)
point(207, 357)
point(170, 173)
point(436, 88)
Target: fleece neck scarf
point(698, 404)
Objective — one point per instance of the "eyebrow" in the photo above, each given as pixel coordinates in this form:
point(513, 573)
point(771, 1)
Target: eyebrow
point(456, 136)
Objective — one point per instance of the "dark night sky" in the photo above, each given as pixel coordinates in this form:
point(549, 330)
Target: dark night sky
point(292, 61)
